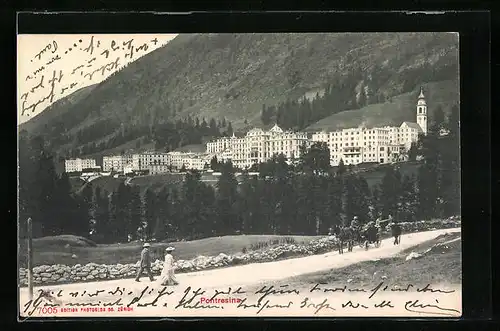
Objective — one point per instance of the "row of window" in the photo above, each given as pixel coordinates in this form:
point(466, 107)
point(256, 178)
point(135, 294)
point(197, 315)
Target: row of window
point(375, 138)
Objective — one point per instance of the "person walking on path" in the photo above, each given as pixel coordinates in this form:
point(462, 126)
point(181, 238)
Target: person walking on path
point(145, 263)
point(167, 274)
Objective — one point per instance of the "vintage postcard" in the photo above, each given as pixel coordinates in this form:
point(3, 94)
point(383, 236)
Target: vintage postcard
point(239, 175)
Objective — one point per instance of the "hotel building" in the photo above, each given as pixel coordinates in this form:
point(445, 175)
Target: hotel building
point(77, 165)
point(380, 145)
point(259, 146)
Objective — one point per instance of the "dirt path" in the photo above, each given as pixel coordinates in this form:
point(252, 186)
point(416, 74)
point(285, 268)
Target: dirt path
point(244, 276)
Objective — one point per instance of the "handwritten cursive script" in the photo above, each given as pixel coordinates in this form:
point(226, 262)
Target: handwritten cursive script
point(318, 299)
point(78, 62)
point(52, 47)
point(417, 307)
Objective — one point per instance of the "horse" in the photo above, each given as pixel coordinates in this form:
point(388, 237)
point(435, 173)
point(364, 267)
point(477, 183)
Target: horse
point(344, 234)
point(357, 235)
point(396, 233)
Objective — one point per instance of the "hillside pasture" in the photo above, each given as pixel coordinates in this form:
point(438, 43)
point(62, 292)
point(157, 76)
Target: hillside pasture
point(128, 147)
point(110, 184)
point(105, 183)
point(198, 148)
point(156, 182)
point(375, 175)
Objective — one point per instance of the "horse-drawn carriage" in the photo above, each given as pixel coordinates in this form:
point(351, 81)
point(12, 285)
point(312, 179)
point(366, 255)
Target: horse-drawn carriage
point(370, 234)
point(366, 235)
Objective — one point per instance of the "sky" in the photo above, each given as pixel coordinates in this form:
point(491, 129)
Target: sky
point(50, 67)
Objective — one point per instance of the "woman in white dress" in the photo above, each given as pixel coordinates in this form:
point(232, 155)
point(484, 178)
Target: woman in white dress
point(167, 274)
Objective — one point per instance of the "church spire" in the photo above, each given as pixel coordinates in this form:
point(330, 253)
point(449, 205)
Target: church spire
point(421, 96)
point(422, 111)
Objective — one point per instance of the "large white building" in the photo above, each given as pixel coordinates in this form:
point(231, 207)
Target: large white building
point(196, 162)
point(77, 165)
point(259, 146)
point(145, 160)
point(381, 145)
point(115, 163)
point(218, 145)
point(155, 162)
point(134, 162)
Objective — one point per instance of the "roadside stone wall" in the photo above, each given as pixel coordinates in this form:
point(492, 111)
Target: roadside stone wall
point(60, 274)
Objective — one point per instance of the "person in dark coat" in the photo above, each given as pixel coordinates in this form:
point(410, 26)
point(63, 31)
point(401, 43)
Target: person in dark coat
point(145, 264)
point(396, 232)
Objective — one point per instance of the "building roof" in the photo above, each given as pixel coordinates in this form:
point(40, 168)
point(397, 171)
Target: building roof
point(276, 129)
point(412, 125)
point(238, 134)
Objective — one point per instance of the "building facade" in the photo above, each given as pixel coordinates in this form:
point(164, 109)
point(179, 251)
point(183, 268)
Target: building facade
point(196, 162)
point(259, 146)
point(218, 145)
point(114, 163)
point(155, 162)
point(152, 158)
point(77, 165)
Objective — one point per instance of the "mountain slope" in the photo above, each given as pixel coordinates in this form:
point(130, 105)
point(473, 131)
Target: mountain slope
point(42, 121)
point(393, 112)
point(232, 75)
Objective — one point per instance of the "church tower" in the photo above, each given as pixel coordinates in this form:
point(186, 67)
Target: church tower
point(422, 111)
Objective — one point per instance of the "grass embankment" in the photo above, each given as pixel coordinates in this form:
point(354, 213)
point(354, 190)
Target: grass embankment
point(106, 183)
point(110, 184)
point(374, 175)
point(60, 249)
point(441, 265)
point(159, 179)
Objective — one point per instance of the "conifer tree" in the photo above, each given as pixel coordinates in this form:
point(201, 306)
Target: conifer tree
point(226, 199)
point(229, 129)
point(438, 118)
point(391, 192)
point(101, 200)
point(341, 168)
point(115, 233)
point(163, 215)
point(133, 207)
